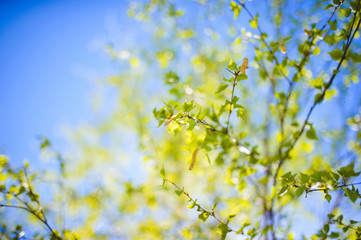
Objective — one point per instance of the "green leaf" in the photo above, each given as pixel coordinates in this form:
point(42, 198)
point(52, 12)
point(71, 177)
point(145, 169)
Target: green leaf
point(283, 190)
point(209, 160)
point(304, 178)
point(231, 80)
point(223, 229)
point(356, 57)
point(346, 12)
point(316, 51)
point(221, 87)
point(179, 192)
point(230, 217)
point(353, 222)
point(242, 77)
point(240, 113)
point(336, 54)
point(192, 124)
point(335, 176)
point(329, 6)
point(351, 194)
point(188, 106)
point(232, 65)
point(334, 235)
point(328, 197)
point(235, 8)
point(333, 25)
point(214, 206)
point(21, 190)
point(192, 205)
point(354, 5)
point(326, 228)
point(348, 171)
point(171, 78)
point(254, 22)
point(311, 133)
point(204, 216)
point(162, 172)
point(318, 98)
point(44, 143)
point(299, 191)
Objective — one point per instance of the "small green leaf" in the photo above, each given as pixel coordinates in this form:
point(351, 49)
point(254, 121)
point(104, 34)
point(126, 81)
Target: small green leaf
point(328, 197)
point(21, 190)
point(254, 22)
point(311, 133)
point(336, 54)
point(230, 217)
point(346, 12)
point(235, 8)
point(214, 206)
point(354, 5)
point(334, 235)
point(221, 87)
point(223, 230)
point(329, 6)
point(179, 192)
point(192, 205)
point(188, 106)
point(204, 216)
point(299, 191)
point(356, 57)
point(44, 143)
point(232, 65)
point(162, 172)
point(326, 228)
point(304, 178)
point(353, 222)
point(351, 194)
point(316, 51)
point(318, 98)
point(283, 190)
point(242, 77)
point(171, 78)
point(348, 171)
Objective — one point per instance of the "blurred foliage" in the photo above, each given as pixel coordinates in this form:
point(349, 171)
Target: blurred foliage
point(259, 131)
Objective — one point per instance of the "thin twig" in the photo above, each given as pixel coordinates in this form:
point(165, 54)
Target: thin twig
point(299, 69)
point(264, 40)
point(211, 213)
point(231, 102)
point(317, 101)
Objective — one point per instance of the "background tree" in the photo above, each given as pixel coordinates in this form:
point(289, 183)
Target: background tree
point(258, 132)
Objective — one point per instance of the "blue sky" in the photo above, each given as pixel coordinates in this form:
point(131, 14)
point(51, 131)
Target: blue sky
point(46, 50)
